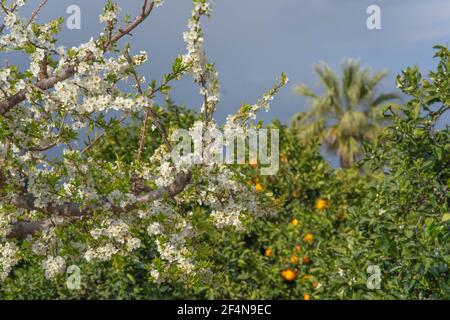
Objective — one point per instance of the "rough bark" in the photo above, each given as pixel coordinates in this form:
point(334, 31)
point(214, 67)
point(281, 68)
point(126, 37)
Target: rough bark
point(70, 211)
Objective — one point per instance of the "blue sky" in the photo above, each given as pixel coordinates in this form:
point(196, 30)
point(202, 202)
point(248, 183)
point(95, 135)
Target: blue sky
point(253, 41)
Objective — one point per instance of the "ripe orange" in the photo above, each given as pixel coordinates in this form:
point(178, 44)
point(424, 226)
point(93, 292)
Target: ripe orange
point(289, 275)
point(298, 248)
point(293, 259)
point(306, 297)
point(259, 187)
point(308, 237)
point(294, 222)
point(321, 204)
point(268, 252)
point(306, 260)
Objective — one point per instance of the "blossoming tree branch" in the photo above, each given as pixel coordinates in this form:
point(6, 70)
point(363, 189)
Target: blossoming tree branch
point(67, 94)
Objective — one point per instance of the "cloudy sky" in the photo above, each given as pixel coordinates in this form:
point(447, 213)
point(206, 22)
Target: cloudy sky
point(253, 41)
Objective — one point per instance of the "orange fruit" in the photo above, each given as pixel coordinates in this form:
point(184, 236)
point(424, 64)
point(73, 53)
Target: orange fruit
point(268, 252)
point(306, 260)
point(289, 275)
point(259, 187)
point(293, 259)
point(298, 248)
point(321, 204)
point(306, 297)
point(308, 237)
point(294, 222)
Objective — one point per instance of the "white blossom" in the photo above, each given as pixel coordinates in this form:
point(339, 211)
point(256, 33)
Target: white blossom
point(53, 266)
point(101, 87)
point(9, 257)
point(158, 3)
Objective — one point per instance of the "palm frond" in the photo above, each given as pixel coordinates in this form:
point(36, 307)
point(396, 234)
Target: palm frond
point(348, 113)
point(383, 98)
point(303, 90)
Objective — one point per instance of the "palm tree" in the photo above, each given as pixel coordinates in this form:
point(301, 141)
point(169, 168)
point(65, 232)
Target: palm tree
point(348, 113)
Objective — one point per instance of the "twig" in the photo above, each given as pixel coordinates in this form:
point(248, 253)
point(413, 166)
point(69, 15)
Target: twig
point(93, 142)
point(2, 26)
point(149, 112)
point(36, 12)
point(205, 100)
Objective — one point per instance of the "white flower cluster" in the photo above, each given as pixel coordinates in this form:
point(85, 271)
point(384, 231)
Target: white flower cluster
point(158, 3)
point(53, 266)
point(9, 257)
point(17, 34)
point(36, 58)
point(155, 229)
point(202, 71)
point(6, 219)
point(102, 253)
point(117, 230)
point(38, 185)
point(110, 13)
point(113, 231)
point(140, 58)
point(248, 112)
point(4, 74)
point(166, 175)
point(229, 200)
point(63, 115)
point(172, 240)
point(175, 253)
point(227, 218)
point(102, 95)
point(45, 242)
point(194, 41)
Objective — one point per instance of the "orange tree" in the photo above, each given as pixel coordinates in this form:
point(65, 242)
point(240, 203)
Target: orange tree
point(289, 255)
point(402, 226)
point(340, 234)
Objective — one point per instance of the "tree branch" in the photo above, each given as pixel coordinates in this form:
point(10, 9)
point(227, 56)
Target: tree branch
point(73, 210)
point(22, 229)
point(2, 26)
point(36, 12)
point(148, 112)
point(45, 84)
point(146, 10)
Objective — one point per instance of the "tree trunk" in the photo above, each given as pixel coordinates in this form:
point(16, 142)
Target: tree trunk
point(345, 162)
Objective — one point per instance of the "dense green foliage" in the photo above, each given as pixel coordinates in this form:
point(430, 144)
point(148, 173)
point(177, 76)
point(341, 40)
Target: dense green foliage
point(329, 225)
